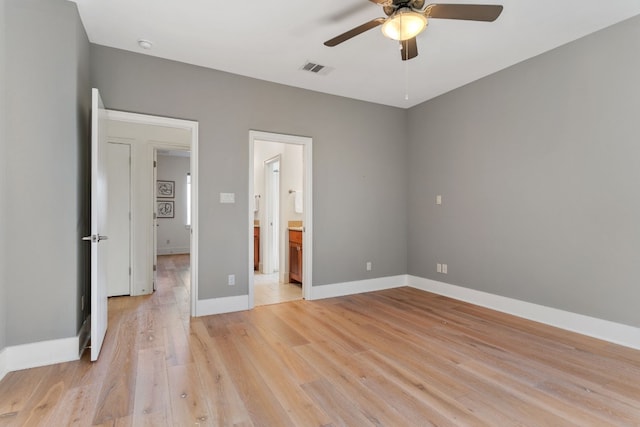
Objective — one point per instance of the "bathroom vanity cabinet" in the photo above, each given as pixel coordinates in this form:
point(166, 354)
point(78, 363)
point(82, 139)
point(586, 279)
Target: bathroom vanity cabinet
point(295, 256)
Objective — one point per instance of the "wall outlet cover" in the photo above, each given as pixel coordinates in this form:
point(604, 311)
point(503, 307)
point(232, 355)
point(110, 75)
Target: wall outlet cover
point(227, 197)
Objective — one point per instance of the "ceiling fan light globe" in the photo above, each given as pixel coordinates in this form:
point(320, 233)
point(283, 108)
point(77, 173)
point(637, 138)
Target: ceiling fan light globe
point(404, 25)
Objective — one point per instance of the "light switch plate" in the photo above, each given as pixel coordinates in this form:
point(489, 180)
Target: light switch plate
point(227, 197)
point(438, 199)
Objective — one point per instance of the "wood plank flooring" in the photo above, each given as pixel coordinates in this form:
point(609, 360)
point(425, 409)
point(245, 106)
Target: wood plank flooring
point(399, 357)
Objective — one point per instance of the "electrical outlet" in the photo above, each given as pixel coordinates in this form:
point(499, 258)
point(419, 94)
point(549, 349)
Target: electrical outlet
point(439, 268)
point(368, 265)
point(444, 268)
point(438, 199)
point(231, 280)
point(227, 197)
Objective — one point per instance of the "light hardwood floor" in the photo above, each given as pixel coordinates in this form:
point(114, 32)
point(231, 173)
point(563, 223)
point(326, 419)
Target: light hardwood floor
point(399, 357)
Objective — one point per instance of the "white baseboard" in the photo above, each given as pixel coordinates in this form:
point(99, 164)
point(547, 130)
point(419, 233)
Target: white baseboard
point(174, 251)
point(3, 363)
point(357, 287)
point(617, 333)
point(211, 306)
point(32, 355)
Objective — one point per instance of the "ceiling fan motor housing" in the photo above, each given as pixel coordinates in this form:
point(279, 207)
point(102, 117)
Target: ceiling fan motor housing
point(391, 8)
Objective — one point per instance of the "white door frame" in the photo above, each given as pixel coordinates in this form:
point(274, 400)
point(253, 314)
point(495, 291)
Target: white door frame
point(154, 173)
point(307, 236)
point(193, 147)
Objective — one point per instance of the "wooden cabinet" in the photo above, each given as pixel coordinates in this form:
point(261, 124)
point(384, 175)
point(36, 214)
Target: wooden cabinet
point(295, 256)
point(256, 248)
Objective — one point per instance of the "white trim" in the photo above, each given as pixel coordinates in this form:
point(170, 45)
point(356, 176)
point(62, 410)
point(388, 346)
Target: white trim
point(4, 370)
point(194, 217)
point(357, 287)
point(174, 251)
point(307, 236)
point(617, 333)
point(211, 306)
point(193, 146)
point(146, 119)
point(32, 355)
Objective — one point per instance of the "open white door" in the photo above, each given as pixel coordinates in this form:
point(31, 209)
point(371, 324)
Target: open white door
point(99, 198)
point(155, 220)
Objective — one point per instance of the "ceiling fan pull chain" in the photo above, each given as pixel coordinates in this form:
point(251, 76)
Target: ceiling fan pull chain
point(406, 80)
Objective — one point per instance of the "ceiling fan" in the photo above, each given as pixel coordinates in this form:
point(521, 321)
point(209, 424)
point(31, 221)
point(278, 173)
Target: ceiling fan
point(408, 18)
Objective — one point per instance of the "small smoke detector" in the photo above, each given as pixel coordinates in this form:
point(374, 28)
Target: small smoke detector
point(316, 68)
point(145, 44)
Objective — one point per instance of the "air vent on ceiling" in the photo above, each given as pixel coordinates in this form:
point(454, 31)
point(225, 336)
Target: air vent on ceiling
point(312, 67)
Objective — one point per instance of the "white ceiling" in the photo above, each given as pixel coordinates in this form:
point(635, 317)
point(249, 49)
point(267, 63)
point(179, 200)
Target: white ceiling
point(271, 40)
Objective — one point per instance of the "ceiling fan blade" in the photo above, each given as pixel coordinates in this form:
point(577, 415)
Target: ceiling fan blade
point(409, 49)
point(354, 32)
point(469, 12)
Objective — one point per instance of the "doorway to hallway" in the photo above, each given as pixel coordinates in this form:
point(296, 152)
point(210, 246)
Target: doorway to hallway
point(152, 140)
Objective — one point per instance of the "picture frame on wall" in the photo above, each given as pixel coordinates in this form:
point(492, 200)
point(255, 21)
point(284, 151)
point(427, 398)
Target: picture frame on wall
point(165, 189)
point(166, 209)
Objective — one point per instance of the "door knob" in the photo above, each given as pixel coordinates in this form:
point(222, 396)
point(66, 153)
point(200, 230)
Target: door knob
point(95, 238)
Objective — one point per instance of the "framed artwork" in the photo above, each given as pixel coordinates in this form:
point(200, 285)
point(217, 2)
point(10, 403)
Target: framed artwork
point(165, 209)
point(165, 189)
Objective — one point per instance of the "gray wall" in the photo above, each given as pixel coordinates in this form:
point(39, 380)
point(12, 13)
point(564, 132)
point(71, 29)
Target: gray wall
point(538, 166)
point(3, 168)
point(45, 194)
point(358, 160)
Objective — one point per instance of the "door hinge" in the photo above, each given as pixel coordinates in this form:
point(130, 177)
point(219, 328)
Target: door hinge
point(155, 216)
point(155, 267)
point(129, 271)
point(155, 164)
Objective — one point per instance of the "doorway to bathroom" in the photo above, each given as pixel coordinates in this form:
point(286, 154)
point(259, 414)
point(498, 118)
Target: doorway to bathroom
point(279, 218)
